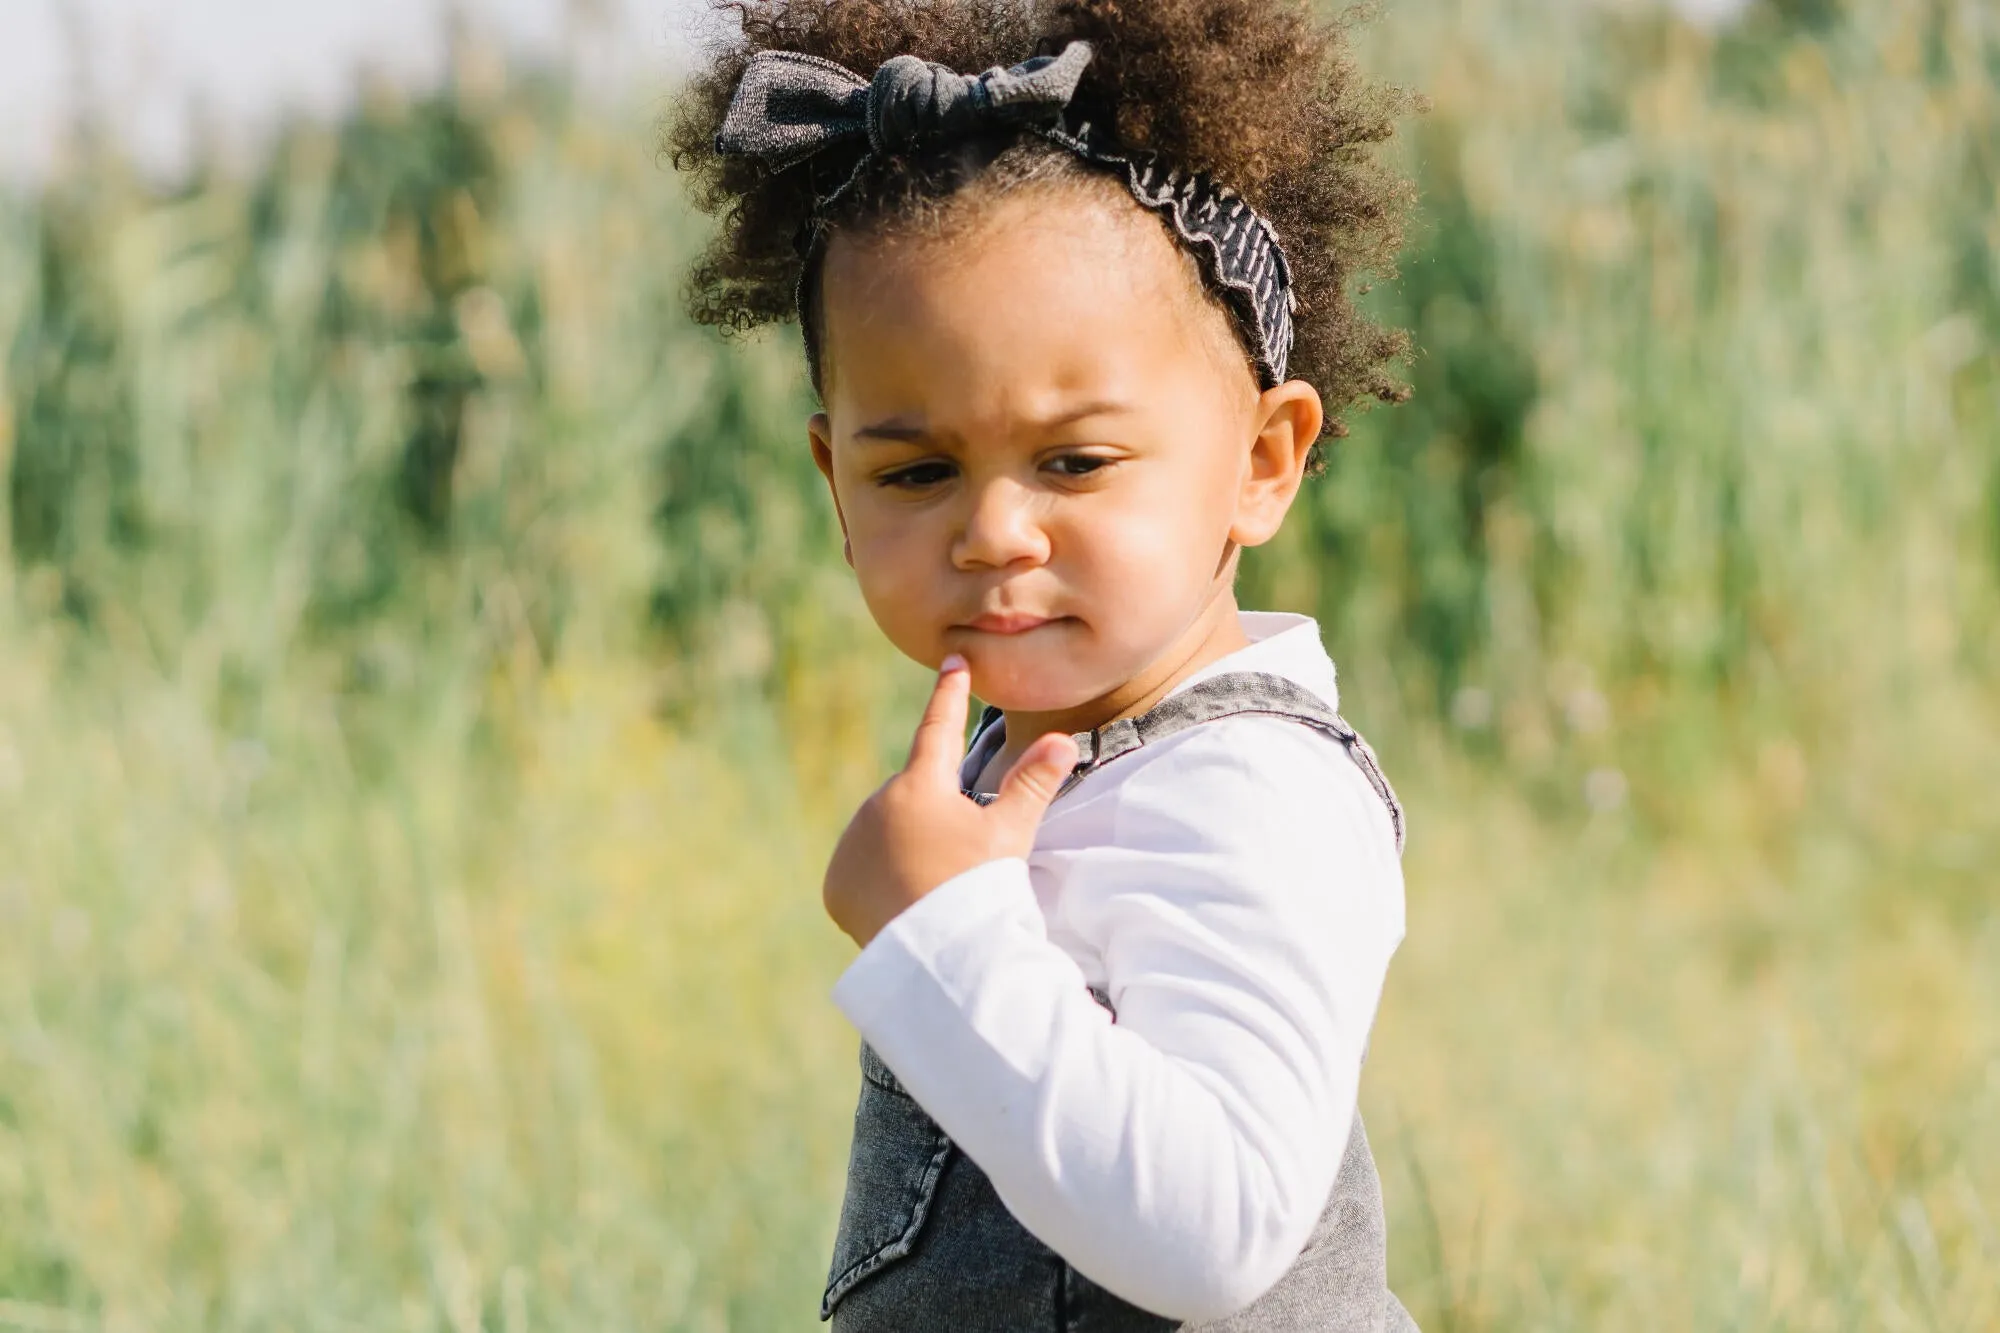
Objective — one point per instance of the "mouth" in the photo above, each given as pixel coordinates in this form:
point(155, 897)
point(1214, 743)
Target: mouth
point(1009, 622)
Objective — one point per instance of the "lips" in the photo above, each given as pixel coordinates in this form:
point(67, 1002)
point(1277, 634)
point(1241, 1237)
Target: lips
point(1006, 622)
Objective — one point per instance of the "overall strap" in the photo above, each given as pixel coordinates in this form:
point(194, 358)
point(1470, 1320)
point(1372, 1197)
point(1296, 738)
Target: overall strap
point(1228, 695)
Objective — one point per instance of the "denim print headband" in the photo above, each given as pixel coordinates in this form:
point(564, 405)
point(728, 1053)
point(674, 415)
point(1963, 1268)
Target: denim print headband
point(790, 107)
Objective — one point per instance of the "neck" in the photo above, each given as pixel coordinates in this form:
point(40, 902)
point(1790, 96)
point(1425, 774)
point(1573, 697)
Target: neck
point(1214, 634)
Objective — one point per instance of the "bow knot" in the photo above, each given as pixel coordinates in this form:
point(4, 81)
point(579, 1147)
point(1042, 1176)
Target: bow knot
point(790, 106)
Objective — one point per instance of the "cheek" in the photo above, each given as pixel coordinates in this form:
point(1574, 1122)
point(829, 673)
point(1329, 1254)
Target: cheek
point(895, 564)
point(1169, 535)
point(889, 561)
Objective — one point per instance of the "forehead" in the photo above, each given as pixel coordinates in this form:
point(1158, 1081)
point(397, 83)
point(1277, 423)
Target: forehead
point(1039, 295)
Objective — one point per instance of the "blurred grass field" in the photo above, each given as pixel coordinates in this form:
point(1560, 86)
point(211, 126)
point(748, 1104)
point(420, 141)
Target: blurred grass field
point(429, 687)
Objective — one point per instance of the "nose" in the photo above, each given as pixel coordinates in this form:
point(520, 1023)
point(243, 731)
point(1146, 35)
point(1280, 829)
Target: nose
point(1002, 528)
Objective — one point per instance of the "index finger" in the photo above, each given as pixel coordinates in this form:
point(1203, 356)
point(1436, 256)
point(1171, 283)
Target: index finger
point(941, 731)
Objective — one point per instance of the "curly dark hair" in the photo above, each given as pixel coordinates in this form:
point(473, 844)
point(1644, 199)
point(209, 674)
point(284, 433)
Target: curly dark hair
point(1260, 94)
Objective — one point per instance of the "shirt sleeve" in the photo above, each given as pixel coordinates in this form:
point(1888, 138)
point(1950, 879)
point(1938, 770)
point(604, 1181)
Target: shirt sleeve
point(1245, 906)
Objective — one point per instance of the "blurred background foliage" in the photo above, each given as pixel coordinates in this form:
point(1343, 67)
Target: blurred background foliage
point(429, 687)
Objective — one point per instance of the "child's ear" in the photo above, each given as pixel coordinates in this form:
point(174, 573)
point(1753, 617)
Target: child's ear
point(820, 430)
point(1288, 420)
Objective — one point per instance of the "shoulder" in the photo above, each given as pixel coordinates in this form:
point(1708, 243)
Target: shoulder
point(1257, 830)
point(1248, 782)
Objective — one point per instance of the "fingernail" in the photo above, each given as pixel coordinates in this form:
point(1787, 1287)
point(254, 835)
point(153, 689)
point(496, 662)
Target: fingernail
point(951, 663)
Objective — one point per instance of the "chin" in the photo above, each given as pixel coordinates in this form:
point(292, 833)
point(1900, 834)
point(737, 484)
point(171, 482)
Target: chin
point(1027, 682)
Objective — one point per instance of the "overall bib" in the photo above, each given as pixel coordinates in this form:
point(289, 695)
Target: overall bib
point(924, 1242)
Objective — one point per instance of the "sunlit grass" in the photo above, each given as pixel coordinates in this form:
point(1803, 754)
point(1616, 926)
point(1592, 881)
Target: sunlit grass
point(533, 1031)
point(1736, 1078)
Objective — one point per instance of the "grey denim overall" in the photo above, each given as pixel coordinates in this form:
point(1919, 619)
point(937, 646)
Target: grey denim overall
point(924, 1242)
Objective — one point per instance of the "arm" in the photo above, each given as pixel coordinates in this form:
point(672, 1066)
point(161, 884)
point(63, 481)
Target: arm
point(1180, 1157)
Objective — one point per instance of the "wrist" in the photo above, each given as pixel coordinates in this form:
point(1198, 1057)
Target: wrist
point(956, 891)
point(972, 912)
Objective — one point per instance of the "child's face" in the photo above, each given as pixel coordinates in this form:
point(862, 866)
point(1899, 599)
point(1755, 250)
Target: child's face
point(1046, 446)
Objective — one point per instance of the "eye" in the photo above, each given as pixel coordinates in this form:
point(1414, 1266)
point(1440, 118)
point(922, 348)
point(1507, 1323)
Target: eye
point(918, 475)
point(1078, 465)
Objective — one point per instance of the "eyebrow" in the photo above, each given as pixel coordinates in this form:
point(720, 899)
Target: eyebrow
point(889, 432)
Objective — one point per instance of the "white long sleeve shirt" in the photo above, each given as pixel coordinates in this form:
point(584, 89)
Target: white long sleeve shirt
point(1236, 891)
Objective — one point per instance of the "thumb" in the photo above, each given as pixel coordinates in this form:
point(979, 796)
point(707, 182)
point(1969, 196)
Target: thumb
point(1032, 782)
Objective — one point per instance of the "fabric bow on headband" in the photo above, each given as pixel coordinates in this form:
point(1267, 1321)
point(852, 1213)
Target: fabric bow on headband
point(790, 107)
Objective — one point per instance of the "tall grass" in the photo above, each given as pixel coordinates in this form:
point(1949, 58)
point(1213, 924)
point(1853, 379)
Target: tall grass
point(428, 687)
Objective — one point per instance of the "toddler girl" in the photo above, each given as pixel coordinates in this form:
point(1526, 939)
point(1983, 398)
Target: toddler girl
point(1075, 322)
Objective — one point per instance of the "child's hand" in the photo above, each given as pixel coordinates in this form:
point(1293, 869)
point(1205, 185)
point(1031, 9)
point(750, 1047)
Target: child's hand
point(918, 829)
